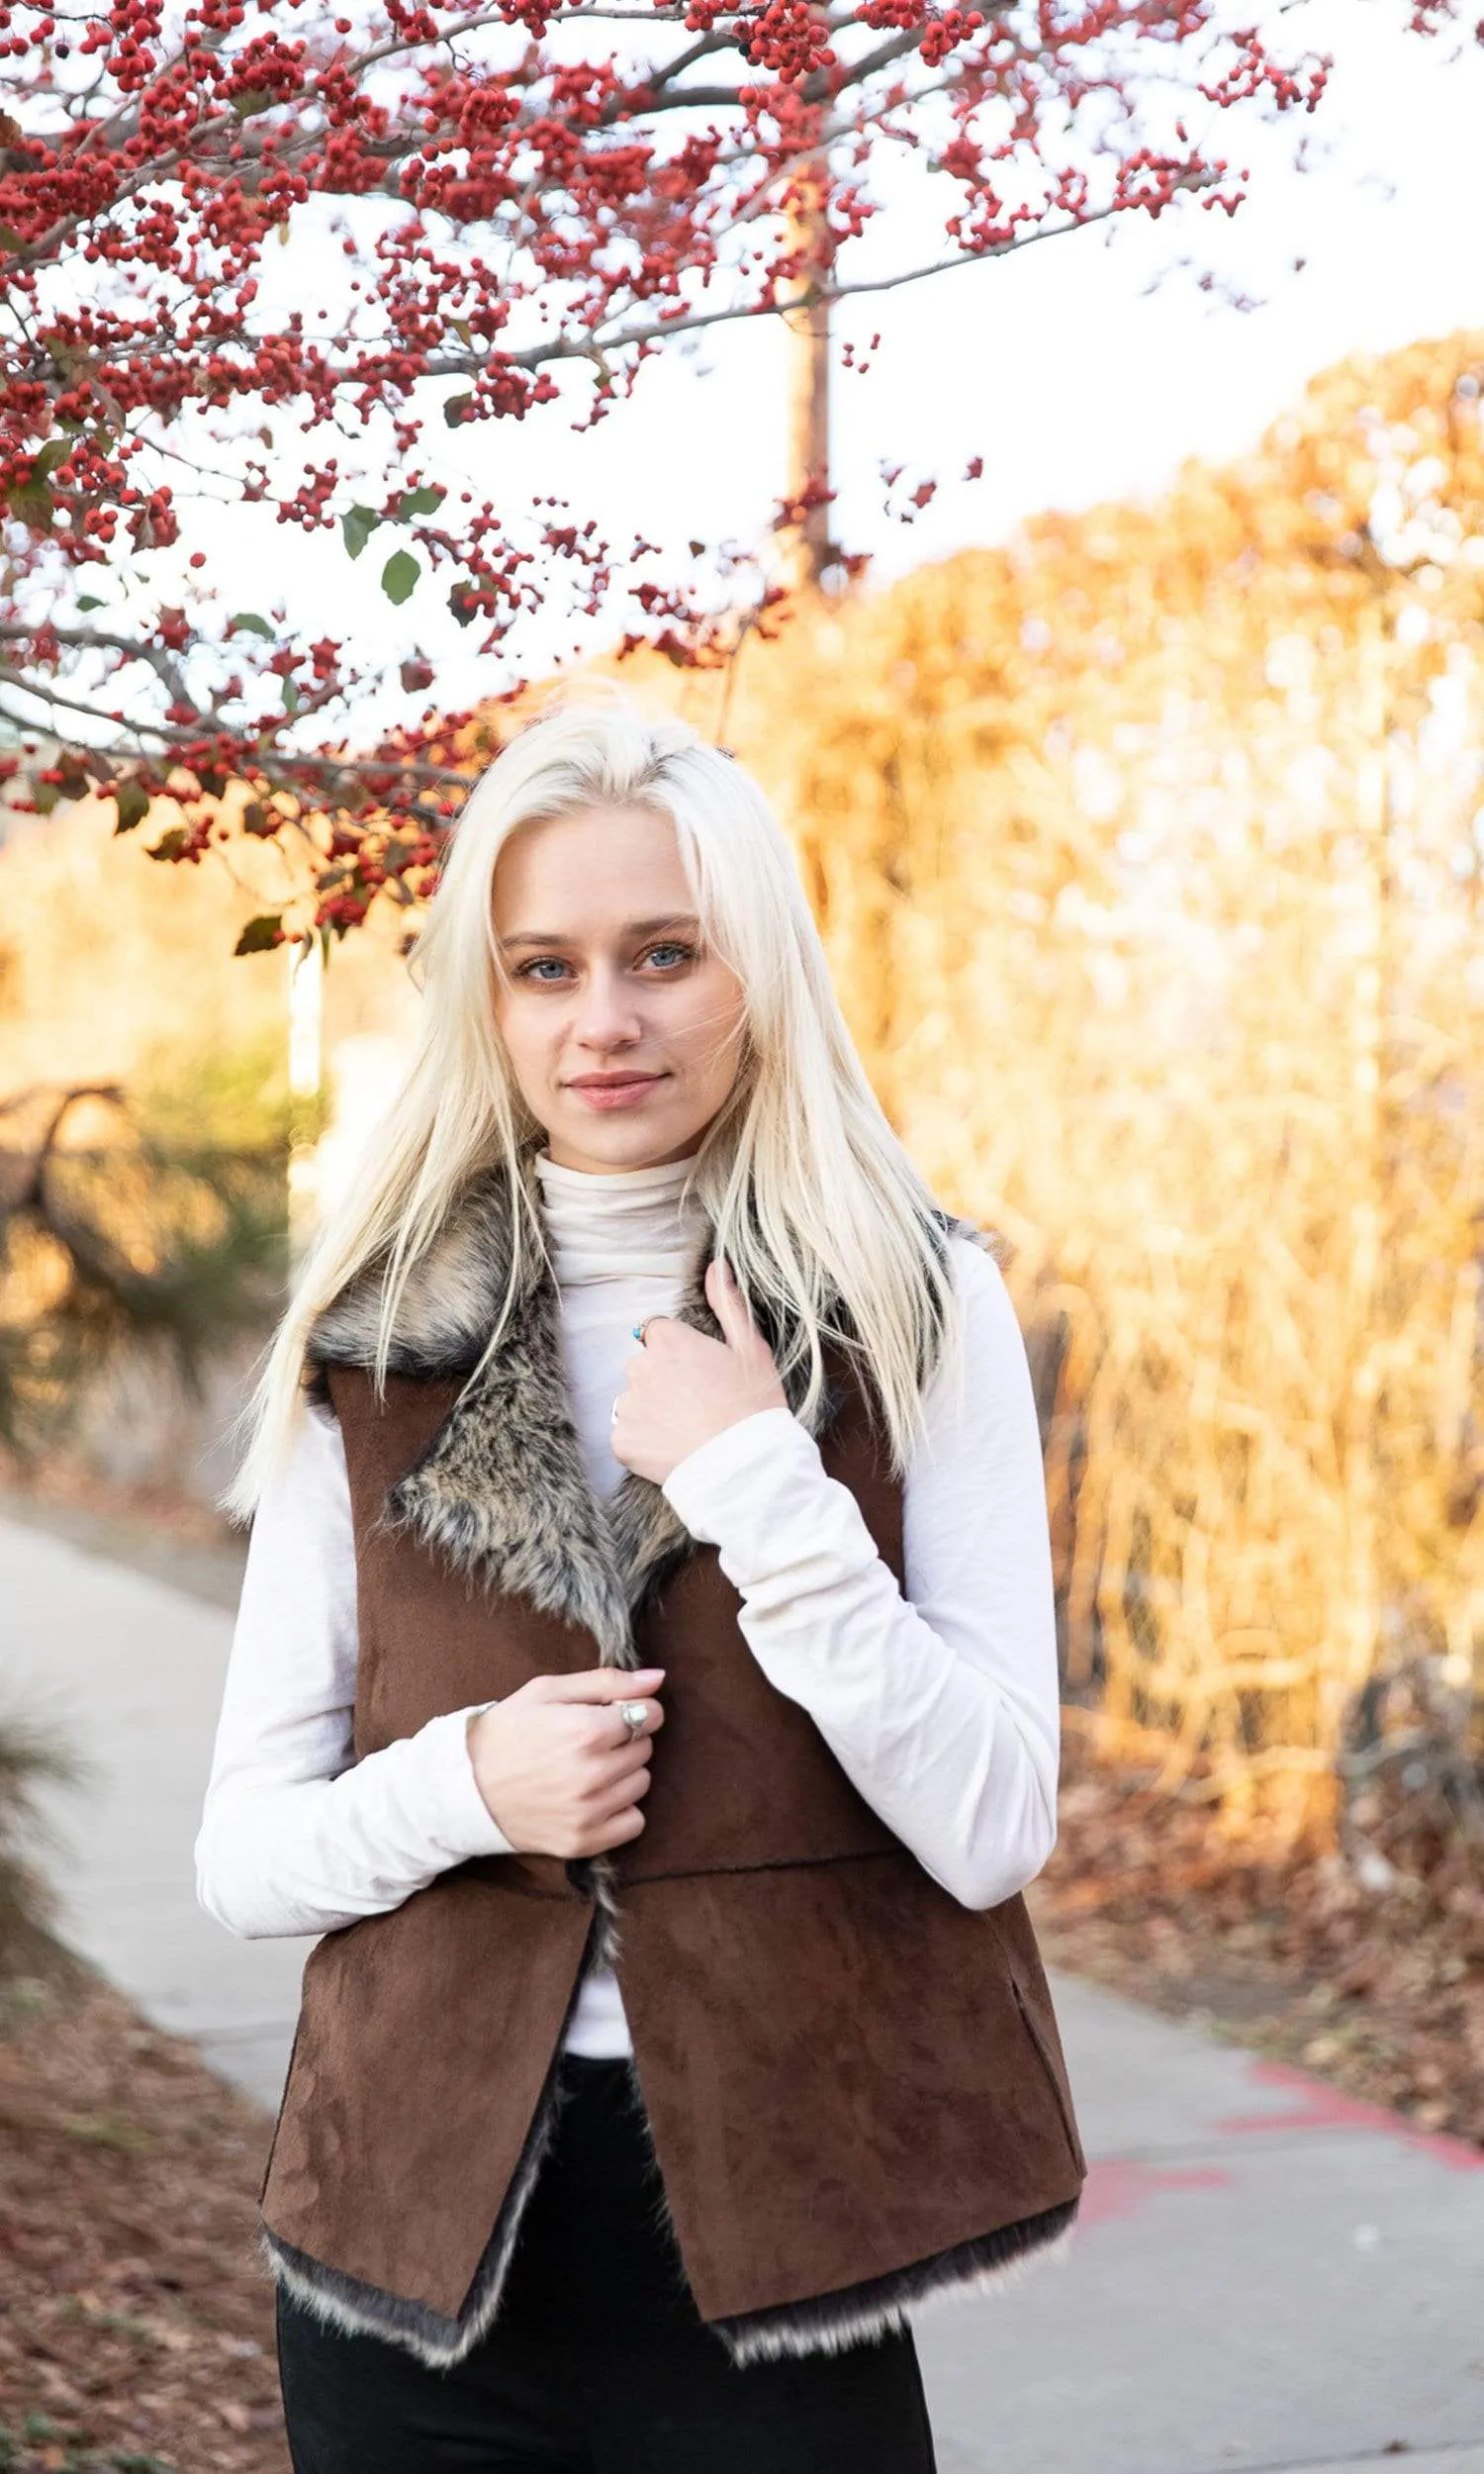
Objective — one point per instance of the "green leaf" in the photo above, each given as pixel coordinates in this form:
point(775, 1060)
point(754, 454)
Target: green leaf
point(461, 603)
point(399, 576)
point(171, 845)
point(289, 694)
point(33, 499)
point(88, 601)
point(134, 806)
point(358, 525)
point(35, 504)
point(424, 502)
point(249, 620)
point(458, 410)
point(262, 934)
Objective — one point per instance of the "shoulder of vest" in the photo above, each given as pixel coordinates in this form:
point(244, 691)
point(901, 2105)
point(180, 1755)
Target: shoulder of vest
point(450, 1301)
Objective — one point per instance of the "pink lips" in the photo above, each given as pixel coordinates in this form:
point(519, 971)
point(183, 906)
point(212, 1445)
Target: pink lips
point(617, 1093)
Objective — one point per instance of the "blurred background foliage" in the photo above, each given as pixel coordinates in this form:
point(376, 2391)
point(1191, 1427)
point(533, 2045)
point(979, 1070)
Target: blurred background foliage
point(1148, 853)
point(124, 1230)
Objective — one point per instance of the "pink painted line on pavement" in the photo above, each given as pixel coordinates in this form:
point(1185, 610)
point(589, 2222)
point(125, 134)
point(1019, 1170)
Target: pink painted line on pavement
point(1116, 2189)
point(1326, 2108)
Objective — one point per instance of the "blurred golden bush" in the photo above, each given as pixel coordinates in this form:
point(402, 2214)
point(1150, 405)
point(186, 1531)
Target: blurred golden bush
point(1148, 852)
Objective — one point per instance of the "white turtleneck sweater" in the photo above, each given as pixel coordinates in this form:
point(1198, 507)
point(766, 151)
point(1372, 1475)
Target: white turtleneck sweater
point(939, 1702)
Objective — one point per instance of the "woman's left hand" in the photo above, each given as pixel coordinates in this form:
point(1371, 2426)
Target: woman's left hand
point(684, 1388)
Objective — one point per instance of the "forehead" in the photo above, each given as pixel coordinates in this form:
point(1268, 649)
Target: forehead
point(601, 873)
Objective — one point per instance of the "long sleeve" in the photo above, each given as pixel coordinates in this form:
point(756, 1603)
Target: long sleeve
point(940, 1701)
point(295, 1834)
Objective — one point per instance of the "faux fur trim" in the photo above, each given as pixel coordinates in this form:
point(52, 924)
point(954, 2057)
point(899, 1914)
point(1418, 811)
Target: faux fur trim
point(502, 1489)
point(361, 2310)
point(822, 2323)
point(831, 2323)
point(854, 2314)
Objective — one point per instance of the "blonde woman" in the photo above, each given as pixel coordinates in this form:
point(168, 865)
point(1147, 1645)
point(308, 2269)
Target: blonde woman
point(645, 1683)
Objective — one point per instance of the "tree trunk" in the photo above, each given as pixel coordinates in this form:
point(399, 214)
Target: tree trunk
point(809, 545)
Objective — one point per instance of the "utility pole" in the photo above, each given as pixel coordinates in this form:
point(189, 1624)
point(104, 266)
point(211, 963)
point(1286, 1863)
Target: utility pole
point(808, 542)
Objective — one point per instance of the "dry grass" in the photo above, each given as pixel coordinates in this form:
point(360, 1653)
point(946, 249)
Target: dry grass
point(1147, 858)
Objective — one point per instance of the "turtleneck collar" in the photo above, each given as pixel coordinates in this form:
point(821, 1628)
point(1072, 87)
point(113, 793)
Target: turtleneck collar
point(621, 1225)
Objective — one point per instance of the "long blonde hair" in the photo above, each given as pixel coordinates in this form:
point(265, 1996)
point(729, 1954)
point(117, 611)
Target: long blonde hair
point(805, 1183)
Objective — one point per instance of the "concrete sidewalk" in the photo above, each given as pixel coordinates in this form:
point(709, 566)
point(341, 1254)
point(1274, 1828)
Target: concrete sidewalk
point(1267, 2275)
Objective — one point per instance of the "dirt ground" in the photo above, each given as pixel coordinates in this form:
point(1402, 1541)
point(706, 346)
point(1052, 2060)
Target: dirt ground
point(135, 2322)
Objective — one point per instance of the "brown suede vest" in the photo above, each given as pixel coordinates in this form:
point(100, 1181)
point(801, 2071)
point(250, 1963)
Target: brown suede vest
point(855, 2086)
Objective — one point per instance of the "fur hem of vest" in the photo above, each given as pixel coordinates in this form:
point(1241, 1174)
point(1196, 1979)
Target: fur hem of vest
point(360, 2310)
point(829, 2323)
point(823, 2324)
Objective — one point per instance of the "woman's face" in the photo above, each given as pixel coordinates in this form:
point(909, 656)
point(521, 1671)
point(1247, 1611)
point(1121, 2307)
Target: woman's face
point(624, 1031)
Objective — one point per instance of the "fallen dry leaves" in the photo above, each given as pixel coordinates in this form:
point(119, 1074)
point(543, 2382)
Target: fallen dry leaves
point(1380, 1991)
point(136, 2324)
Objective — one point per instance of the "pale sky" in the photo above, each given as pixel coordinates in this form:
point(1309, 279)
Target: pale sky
point(1072, 377)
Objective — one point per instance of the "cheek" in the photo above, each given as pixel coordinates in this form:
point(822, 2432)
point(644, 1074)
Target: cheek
point(709, 1027)
point(526, 1039)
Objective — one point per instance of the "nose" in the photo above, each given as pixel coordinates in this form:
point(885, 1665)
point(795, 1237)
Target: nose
point(608, 1011)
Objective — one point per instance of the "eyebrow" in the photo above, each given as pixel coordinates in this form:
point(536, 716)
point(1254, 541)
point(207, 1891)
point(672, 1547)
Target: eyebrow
point(631, 927)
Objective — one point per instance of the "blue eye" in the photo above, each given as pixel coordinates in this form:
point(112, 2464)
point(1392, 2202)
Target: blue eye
point(528, 970)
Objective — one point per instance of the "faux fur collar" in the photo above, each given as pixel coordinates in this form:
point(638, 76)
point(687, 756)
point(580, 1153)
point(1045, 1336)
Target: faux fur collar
point(502, 1489)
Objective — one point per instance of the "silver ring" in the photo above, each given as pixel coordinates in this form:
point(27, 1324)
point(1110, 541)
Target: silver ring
point(635, 1716)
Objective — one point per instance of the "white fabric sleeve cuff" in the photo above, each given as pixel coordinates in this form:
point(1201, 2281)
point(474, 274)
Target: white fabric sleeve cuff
point(726, 1482)
point(452, 1811)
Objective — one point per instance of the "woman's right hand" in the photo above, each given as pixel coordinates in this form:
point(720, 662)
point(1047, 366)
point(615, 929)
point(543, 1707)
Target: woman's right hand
point(555, 1765)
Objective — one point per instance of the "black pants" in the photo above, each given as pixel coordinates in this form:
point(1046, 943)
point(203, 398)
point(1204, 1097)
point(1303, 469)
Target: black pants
point(600, 2362)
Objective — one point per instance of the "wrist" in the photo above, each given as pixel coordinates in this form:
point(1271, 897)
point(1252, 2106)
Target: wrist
point(475, 1736)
